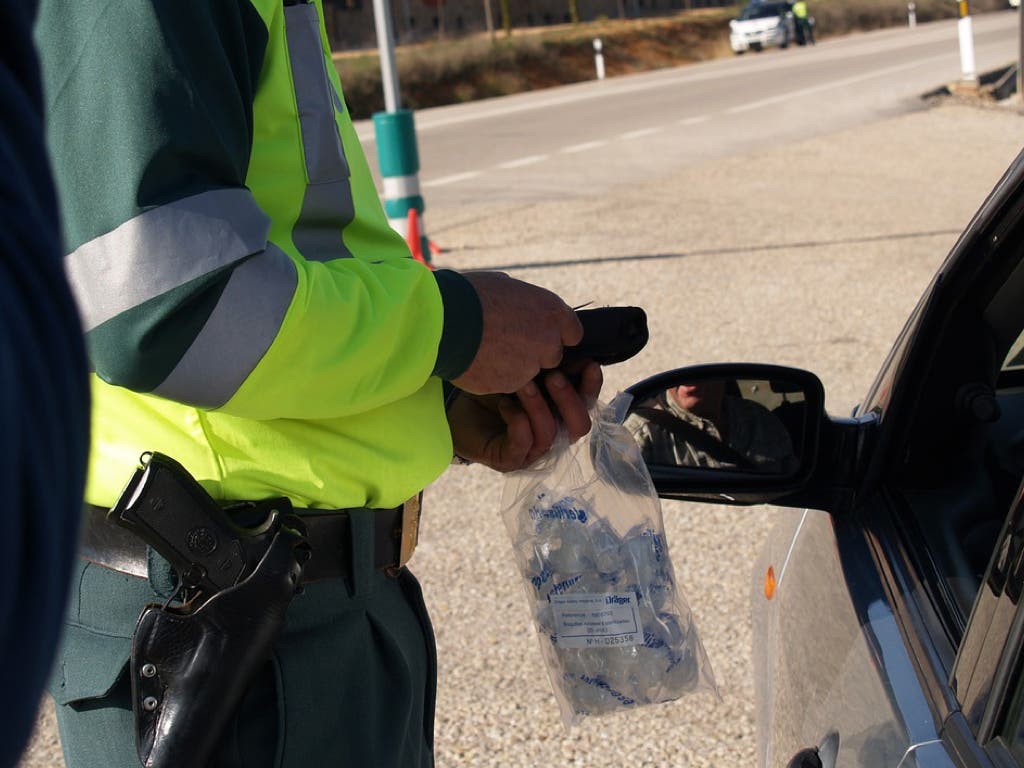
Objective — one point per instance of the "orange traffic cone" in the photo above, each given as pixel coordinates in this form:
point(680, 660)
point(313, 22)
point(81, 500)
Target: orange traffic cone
point(413, 238)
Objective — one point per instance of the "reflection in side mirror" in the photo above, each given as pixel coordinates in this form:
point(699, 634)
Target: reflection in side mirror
point(735, 433)
point(747, 425)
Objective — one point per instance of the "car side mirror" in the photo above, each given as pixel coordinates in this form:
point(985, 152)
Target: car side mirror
point(739, 433)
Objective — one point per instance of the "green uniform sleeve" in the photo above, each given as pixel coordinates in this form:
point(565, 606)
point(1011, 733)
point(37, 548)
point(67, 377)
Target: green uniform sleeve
point(187, 287)
point(463, 325)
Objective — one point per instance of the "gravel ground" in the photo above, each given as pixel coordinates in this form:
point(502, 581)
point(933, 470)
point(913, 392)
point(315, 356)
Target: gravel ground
point(811, 255)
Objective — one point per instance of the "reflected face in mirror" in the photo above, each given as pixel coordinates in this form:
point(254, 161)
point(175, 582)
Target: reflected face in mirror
point(744, 425)
point(703, 398)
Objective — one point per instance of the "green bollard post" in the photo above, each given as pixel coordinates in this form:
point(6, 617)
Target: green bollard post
point(399, 162)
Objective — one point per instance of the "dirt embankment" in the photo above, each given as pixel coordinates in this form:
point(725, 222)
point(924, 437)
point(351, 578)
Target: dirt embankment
point(465, 70)
point(468, 69)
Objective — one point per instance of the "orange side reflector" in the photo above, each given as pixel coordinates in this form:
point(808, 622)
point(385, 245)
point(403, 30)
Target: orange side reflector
point(769, 583)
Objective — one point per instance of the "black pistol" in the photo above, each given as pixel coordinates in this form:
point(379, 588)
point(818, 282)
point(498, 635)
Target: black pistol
point(168, 509)
point(192, 662)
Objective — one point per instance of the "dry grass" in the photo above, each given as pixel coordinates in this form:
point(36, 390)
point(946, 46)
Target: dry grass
point(839, 17)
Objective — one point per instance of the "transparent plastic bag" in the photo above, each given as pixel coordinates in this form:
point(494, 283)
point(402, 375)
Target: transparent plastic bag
point(586, 528)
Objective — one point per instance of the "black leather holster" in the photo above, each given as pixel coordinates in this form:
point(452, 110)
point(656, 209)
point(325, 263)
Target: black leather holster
point(190, 665)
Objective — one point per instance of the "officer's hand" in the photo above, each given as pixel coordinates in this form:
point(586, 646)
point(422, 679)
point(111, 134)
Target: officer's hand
point(507, 433)
point(525, 329)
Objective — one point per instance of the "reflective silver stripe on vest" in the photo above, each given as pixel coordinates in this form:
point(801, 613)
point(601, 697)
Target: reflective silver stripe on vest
point(237, 334)
point(162, 249)
point(327, 207)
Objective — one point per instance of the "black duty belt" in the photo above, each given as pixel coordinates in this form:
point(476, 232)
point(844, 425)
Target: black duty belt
point(329, 534)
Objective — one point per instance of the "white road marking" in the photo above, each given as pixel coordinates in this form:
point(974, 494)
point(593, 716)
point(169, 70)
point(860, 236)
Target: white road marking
point(569, 150)
point(639, 134)
point(573, 148)
point(832, 84)
point(453, 179)
point(530, 160)
point(523, 161)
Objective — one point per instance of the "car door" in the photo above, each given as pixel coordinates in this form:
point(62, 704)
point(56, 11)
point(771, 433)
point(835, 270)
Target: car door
point(987, 675)
point(943, 480)
point(895, 624)
point(882, 591)
point(883, 641)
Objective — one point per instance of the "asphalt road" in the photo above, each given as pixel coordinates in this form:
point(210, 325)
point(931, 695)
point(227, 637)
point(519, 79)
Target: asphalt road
point(806, 252)
point(587, 138)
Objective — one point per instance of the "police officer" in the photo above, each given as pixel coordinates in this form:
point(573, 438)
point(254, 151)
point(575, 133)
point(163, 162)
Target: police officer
point(804, 24)
point(251, 314)
point(44, 397)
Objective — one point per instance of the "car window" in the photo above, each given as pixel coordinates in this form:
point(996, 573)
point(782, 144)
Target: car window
point(1015, 359)
point(988, 677)
point(761, 11)
point(1006, 570)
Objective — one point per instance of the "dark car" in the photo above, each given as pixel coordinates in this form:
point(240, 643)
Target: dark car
point(888, 626)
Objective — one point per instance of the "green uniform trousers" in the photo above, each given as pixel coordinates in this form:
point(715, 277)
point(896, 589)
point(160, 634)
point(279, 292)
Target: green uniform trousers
point(352, 681)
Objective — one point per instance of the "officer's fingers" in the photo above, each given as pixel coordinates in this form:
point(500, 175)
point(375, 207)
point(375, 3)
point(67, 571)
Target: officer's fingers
point(570, 327)
point(513, 449)
point(571, 406)
point(555, 337)
point(549, 356)
point(591, 381)
point(542, 421)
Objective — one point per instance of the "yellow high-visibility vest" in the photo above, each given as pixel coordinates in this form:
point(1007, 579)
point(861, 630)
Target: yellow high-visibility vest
point(304, 337)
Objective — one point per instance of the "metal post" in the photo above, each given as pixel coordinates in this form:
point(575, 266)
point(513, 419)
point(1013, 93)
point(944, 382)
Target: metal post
point(489, 19)
point(968, 72)
point(386, 46)
point(598, 58)
point(395, 131)
point(911, 15)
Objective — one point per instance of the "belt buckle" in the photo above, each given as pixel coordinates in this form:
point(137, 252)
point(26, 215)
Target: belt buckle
point(410, 528)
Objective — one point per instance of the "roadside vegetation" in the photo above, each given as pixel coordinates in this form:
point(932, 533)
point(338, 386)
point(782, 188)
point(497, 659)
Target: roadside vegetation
point(478, 67)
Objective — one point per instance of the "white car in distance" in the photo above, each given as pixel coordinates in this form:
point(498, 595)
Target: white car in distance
point(761, 25)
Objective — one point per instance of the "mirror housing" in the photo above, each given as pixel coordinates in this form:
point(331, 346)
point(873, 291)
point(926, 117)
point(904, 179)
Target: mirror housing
point(784, 406)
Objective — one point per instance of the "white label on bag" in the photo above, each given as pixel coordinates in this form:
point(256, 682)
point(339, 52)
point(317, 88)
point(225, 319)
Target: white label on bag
point(594, 621)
